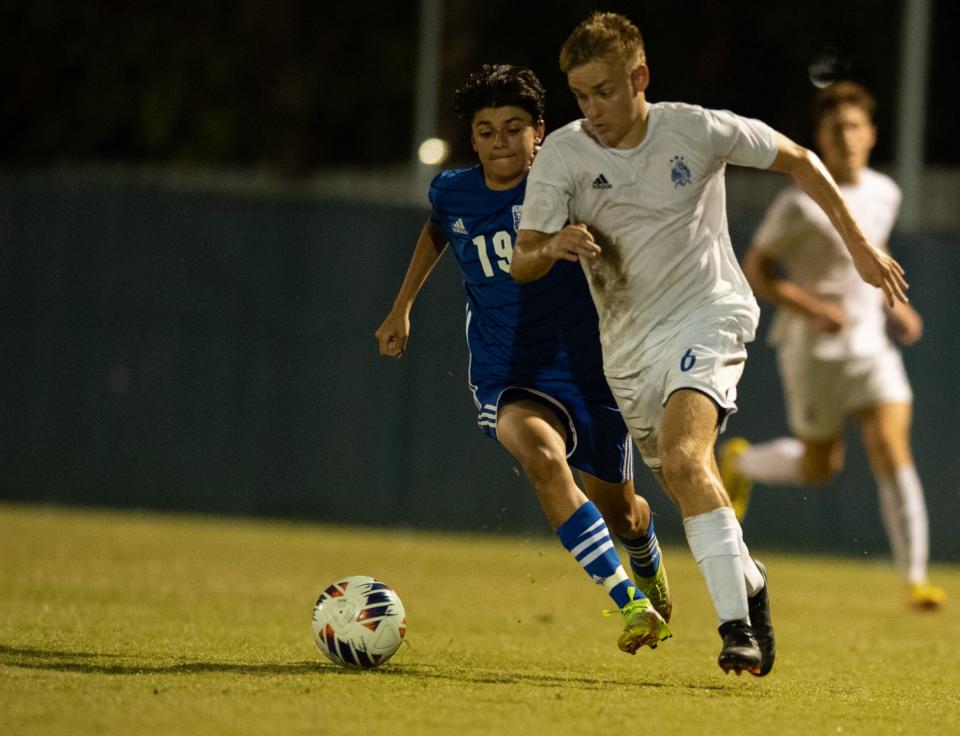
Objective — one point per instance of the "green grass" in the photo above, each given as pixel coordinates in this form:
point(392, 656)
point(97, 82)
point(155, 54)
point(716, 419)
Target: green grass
point(120, 623)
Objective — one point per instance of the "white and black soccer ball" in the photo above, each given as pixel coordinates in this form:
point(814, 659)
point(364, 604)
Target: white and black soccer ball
point(359, 622)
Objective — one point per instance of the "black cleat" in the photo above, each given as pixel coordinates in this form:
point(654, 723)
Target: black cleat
point(740, 651)
point(762, 624)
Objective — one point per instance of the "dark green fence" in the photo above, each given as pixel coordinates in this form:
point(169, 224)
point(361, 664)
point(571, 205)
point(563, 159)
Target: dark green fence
point(214, 352)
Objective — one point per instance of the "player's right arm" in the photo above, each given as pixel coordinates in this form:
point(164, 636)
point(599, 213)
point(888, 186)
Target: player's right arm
point(393, 332)
point(535, 252)
point(765, 276)
point(544, 237)
point(808, 172)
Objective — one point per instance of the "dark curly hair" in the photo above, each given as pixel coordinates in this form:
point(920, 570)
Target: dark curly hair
point(499, 85)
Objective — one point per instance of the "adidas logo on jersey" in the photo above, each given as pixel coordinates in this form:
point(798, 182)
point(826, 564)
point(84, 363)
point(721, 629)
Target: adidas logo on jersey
point(458, 227)
point(601, 183)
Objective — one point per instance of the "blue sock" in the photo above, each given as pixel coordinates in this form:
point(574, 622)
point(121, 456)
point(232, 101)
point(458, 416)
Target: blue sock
point(644, 555)
point(585, 536)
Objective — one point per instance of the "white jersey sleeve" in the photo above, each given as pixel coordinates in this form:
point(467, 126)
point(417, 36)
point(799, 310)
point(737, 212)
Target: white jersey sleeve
point(550, 186)
point(741, 141)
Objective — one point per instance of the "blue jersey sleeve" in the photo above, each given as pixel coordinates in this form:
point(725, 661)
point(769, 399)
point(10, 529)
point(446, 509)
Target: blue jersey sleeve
point(515, 332)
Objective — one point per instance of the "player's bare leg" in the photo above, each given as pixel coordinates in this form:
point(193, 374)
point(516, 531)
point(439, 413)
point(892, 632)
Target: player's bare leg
point(686, 449)
point(626, 513)
point(780, 461)
point(822, 460)
point(536, 437)
point(628, 516)
point(885, 429)
point(687, 435)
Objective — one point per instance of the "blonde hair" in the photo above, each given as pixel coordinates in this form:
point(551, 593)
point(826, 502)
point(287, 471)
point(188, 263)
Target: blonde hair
point(602, 36)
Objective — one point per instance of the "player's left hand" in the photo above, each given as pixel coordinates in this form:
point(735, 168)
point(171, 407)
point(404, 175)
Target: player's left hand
point(571, 243)
point(881, 270)
point(905, 324)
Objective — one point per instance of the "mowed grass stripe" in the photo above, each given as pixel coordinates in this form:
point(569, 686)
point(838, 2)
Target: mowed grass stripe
point(118, 622)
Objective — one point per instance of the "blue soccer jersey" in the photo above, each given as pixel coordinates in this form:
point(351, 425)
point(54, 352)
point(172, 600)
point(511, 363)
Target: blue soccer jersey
point(541, 337)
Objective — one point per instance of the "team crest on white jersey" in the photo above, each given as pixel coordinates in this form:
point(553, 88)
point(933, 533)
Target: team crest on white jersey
point(680, 173)
point(517, 211)
point(458, 227)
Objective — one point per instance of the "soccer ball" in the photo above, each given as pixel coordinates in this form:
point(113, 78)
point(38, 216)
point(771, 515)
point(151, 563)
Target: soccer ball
point(359, 622)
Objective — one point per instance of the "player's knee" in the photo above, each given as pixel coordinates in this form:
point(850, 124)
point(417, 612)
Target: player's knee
point(544, 467)
point(680, 464)
point(820, 471)
point(885, 450)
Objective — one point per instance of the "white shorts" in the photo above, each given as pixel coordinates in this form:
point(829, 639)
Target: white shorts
point(820, 394)
point(707, 356)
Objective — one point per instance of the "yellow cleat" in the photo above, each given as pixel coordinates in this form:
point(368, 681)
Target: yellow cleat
point(642, 626)
point(737, 484)
point(657, 589)
point(926, 597)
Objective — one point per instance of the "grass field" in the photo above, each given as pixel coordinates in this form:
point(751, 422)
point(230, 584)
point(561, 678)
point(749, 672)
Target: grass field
point(120, 623)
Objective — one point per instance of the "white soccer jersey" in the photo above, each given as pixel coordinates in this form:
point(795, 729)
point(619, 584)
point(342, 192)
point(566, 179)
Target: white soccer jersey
point(799, 235)
point(658, 212)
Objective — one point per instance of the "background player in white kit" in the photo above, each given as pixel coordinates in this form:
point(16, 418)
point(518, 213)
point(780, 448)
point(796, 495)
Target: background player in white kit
point(831, 334)
point(641, 186)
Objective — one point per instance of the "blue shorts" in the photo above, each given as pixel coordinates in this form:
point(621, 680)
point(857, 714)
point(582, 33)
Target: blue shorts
point(598, 441)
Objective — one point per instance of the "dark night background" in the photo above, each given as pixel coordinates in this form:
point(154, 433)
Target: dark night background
point(291, 86)
point(206, 209)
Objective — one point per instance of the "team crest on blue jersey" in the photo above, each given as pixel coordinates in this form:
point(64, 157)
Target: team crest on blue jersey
point(517, 211)
point(680, 173)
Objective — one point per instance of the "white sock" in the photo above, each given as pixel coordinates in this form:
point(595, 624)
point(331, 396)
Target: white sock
point(751, 573)
point(776, 462)
point(904, 516)
point(715, 539)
